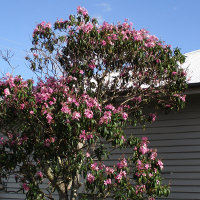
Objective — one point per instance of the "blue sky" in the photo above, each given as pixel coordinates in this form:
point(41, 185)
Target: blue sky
point(174, 21)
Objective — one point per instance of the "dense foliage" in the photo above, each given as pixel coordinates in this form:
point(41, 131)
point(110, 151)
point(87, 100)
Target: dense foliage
point(99, 78)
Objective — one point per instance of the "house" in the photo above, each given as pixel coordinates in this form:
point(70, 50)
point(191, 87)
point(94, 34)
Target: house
point(177, 139)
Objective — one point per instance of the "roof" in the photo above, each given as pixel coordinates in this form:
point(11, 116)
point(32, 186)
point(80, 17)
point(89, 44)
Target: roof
point(192, 67)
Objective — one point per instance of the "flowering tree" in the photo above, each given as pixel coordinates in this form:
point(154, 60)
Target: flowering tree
point(99, 78)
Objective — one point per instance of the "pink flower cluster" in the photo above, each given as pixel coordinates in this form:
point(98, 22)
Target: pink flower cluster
point(111, 172)
point(88, 113)
point(60, 23)
point(6, 92)
point(40, 174)
point(160, 164)
point(86, 28)
point(153, 155)
point(41, 28)
point(85, 136)
point(106, 118)
point(26, 187)
point(65, 109)
point(91, 102)
point(90, 178)
point(119, 176)
point(153, 117)
point(82, 11)
point(140, 188)
point(108, 182)
point(122, 164)
point(181, 97)
point(48, 141)
point(143, 148)
point(126, 32)
point(95, 167)
point(76, 115)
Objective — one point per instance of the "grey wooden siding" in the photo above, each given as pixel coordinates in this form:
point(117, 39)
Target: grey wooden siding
point(177, 138)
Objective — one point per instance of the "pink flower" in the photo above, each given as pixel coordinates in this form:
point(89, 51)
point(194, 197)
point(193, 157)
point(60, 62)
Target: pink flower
point(88, 114)
point(123, 138)
point(82, 11)
point(90, 178)
point(183, 73)
point(81, 72)
point(147, 166)
point(22, 106)
point(51, 103)
point(90, 136)
point(124, 115)
point(31, 112)
point(92, 66)
point(49, 118)
point(52, 139)
point(152, 116)
point(35, 55)
point(94, 167)
point(122, 164)
point(101, 166)
point(6, 92)
point(140, 188)
point(110, 107)
point(138, 99)
point(106, 117)
point(153, 155)
point(150, 174)
point(114, 36)
point(103, 43)
point(87, 154)
point(183, 98)
point(48, 25)
point(123, 173)
point(47, 142)
point(66, 109)
point(40, 174)
point(167, 105)
point(82, 135)
point(107, 182)
point(151, 198)
point(140, 165)
point(157, 60)
point(118, 178)
point(76, 115)
point(144, 174)
point(144, 139)
point(109, 170)
point(86, 27)
point(144, 149)
point(26, 187)
point(174, 73)
point(160, 164)
point(10, 135)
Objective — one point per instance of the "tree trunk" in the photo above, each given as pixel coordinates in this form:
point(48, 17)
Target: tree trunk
point(74, 194)
point(74, 187)
point(63, 195)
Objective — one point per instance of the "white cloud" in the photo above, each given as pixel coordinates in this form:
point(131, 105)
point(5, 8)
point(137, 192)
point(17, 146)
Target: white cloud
point(104, 6)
